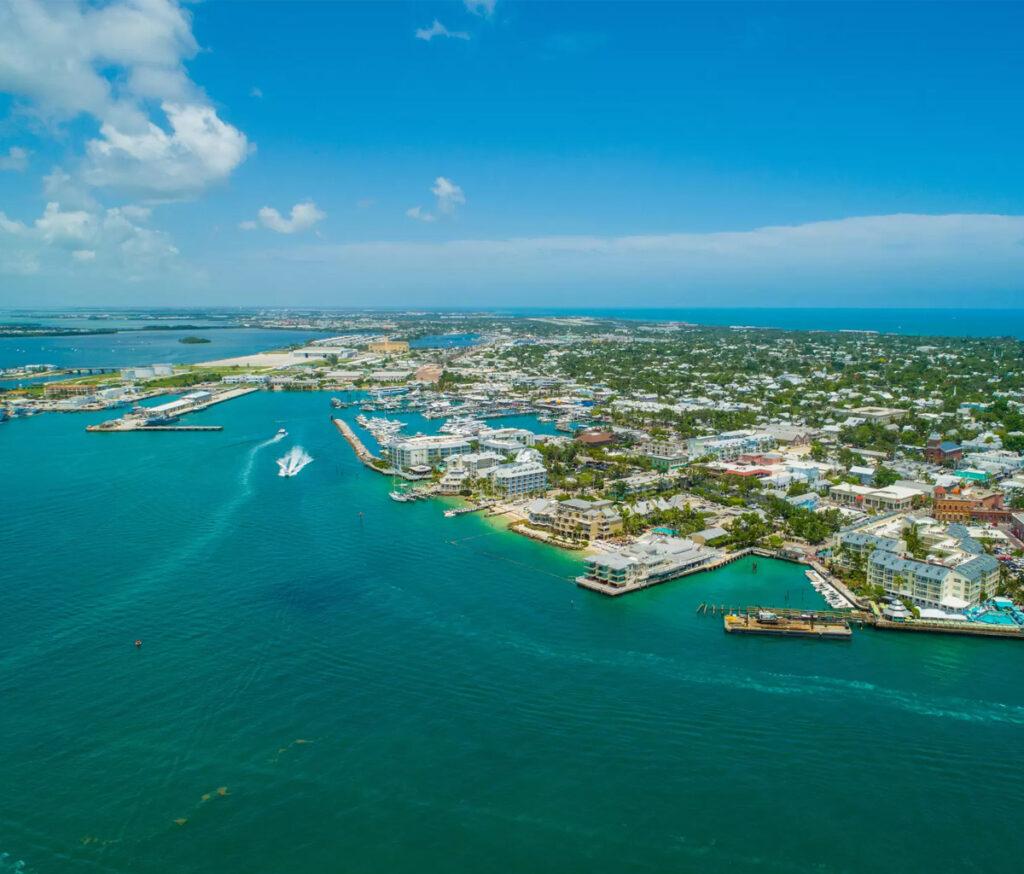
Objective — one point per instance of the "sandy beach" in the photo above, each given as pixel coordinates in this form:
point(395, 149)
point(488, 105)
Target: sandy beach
point(260, 359)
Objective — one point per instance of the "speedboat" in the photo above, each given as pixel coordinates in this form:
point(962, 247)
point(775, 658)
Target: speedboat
point(281, 433)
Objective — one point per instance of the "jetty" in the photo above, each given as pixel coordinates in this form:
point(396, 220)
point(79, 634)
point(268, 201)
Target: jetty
point(744, 620)
point(787, 623)
point(362, 453)
point(373, 462)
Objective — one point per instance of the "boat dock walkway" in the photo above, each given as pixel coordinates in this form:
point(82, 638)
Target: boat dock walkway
point(787, 623)
point(139, 421)
point(860, 618)
point(179, 428)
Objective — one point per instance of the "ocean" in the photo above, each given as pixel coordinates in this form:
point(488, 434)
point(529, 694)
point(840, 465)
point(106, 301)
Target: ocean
point(915, 322)
point(131, 348)
point(331, 681)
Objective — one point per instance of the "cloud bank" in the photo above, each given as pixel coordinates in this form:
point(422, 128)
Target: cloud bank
point(121, 64)
point(846, 262)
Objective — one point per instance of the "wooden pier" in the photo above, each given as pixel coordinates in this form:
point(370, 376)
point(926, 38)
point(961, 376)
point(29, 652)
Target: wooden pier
point(821, 625)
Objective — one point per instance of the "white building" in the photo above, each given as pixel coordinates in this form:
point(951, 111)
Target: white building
point(428, 450)
point(889, 499)
point(526, 475)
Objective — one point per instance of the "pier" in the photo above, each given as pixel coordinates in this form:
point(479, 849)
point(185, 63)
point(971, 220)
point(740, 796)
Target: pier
point(787, 623)
point(734, 617)
point(142, 420)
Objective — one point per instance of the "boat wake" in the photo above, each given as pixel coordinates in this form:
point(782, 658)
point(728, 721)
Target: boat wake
point(293, 461)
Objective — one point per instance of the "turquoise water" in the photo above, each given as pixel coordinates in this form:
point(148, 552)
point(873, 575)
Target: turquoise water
point(145, 347)
point(464, 707)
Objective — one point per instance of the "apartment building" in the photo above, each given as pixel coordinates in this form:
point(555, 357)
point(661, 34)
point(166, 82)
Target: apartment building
point(580, 520)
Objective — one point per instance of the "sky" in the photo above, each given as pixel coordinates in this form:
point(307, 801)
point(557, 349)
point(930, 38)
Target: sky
point(493, 152)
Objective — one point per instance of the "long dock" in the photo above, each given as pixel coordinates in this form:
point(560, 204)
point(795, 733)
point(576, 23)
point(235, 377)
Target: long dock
point(180, 428)
point(138, 421)
point(785, 624)
point(733, 617)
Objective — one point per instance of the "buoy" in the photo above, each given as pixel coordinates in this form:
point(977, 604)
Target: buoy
point(138, 643)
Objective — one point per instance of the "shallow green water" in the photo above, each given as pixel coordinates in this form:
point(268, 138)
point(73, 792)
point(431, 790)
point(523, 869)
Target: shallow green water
point(462, 706)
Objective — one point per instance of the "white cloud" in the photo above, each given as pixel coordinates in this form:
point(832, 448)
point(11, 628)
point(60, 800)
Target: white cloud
point(438, 29)
point(112, 241)
point(850, 262)
point(199, 150)
point(303, 216)
point(448, 195)
point(483, 8)
point(16, 159)
point(421, 215)
point(114, 63)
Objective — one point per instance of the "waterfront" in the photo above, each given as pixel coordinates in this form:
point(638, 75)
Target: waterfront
point(396, 691)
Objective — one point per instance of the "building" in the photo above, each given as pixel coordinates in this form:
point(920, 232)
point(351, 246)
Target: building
point(890, 499)
point(652, 559)
point(389, 347)
point(258, 378)
point(881, 415)
point(68, 390)
point(453, 480)
point(525, 476)
point(507, 440)
point(979, 505)
point(936, 586)
point(477, 462)
point(542, 512)
point(595, 437)
point(954, 573)
point(425, 451)
point(579, 520)
point(729, 445)
point(939, 451)
point(663, 454)
point(865, 474)
point(1017, 525)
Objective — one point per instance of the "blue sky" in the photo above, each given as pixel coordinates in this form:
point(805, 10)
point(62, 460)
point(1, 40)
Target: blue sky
point(663, 154)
